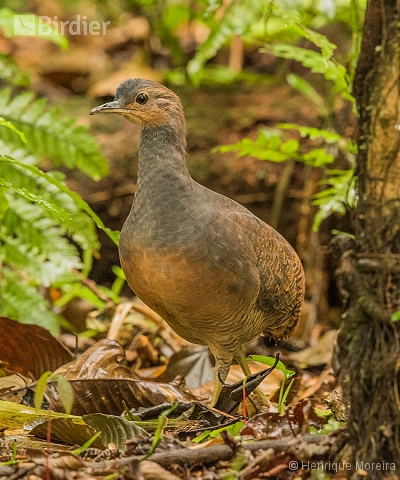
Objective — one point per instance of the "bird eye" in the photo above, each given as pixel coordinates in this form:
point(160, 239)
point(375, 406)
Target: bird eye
point(142, 98)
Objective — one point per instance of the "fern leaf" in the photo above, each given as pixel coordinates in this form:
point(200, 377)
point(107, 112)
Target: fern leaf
point(23, 302)
point(49, 136)
point(317, 63)
point(62, 188)
point(19, 104)
point(313, 133)
point(3, 202)
point(10, 72)
point(334, 199)
point(237, 19)
point(7, 124)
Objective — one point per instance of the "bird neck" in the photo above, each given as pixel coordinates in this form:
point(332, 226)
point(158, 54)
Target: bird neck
point(162, 162)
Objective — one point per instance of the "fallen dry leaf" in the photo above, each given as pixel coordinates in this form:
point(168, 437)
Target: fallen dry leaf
point(29, 349)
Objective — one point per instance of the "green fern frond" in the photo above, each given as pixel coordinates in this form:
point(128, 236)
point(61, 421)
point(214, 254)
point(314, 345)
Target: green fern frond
point(236, 19)
point(317, 63)
point(3, 202)
point(50, 136)
point(10, 72)
point(340, 192)
point(7, 124)
point(51, 179)
point(35, 244)
point(38, 214)
point(22, 301)
point(17, 153)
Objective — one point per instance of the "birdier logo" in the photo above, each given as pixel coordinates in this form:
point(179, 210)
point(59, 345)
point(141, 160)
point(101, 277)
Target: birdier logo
point(27, 24)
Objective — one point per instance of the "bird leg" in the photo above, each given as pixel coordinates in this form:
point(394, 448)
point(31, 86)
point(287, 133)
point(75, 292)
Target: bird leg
point(240, 358)
point(221, 371)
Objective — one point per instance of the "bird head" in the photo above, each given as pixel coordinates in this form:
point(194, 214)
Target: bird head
point(146, 103)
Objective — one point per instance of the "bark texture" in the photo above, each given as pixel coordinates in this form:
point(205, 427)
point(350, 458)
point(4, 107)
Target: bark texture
point(368, 346)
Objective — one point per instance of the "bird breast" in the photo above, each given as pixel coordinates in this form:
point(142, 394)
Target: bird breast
point(194, 282)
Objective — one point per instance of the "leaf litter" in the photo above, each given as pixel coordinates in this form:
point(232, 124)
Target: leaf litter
point(147, 423)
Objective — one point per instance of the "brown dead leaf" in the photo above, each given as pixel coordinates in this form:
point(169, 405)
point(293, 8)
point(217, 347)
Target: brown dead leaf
point(102, 383)
point(29, 349)
point(297, 420)
point(154, 471)
point(191, 362)
point(104, 359)
point(65, 460)
point(109, 395)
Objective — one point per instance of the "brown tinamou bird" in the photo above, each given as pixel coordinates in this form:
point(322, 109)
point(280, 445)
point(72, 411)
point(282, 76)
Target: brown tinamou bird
point(215, 272)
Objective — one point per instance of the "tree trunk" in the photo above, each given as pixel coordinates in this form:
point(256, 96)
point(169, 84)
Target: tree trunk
point(369, 340)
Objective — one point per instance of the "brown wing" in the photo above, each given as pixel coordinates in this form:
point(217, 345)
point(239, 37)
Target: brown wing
point(281, 273)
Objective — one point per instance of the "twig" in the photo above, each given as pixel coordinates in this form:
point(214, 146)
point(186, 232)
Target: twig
point(224, 414)
point(147, 312)
point(117, 321)
point(236, 54)
point(211, 455)
point(280, 193)
point(122, 311)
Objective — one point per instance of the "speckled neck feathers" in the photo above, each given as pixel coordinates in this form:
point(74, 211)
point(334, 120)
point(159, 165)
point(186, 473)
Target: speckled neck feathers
point(162, 157)
point(164, 183)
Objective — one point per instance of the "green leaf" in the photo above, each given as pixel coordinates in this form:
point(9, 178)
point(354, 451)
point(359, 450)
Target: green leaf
point(65, 392)
point(68, 429)
point(313, 133)
point(39, 213)
point(333, 199)
point(114, 236)
point(3, 202)
point(331, 426)
point(233, 429)
point(77, 290)
point(236, 19)
point(6, 123)
point(270, 361)
point(321, 41)
point(317, 63)
point(161, 424)
point(174, 15)
point(318, 157)
point(48, 135)
point(323, 413)
point(86, 445)
point(282, 398)
point(16, 416)
point(114, 429)
point(40, 389)
point(290, 147)
point(11, 72)
point(395, 316)
point(22, 301)
point(304, 87)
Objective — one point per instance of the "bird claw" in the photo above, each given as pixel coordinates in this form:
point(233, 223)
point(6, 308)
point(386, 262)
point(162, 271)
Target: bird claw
point(231, 395)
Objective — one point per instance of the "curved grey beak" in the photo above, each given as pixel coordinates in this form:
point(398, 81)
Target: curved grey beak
point(112, 107)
